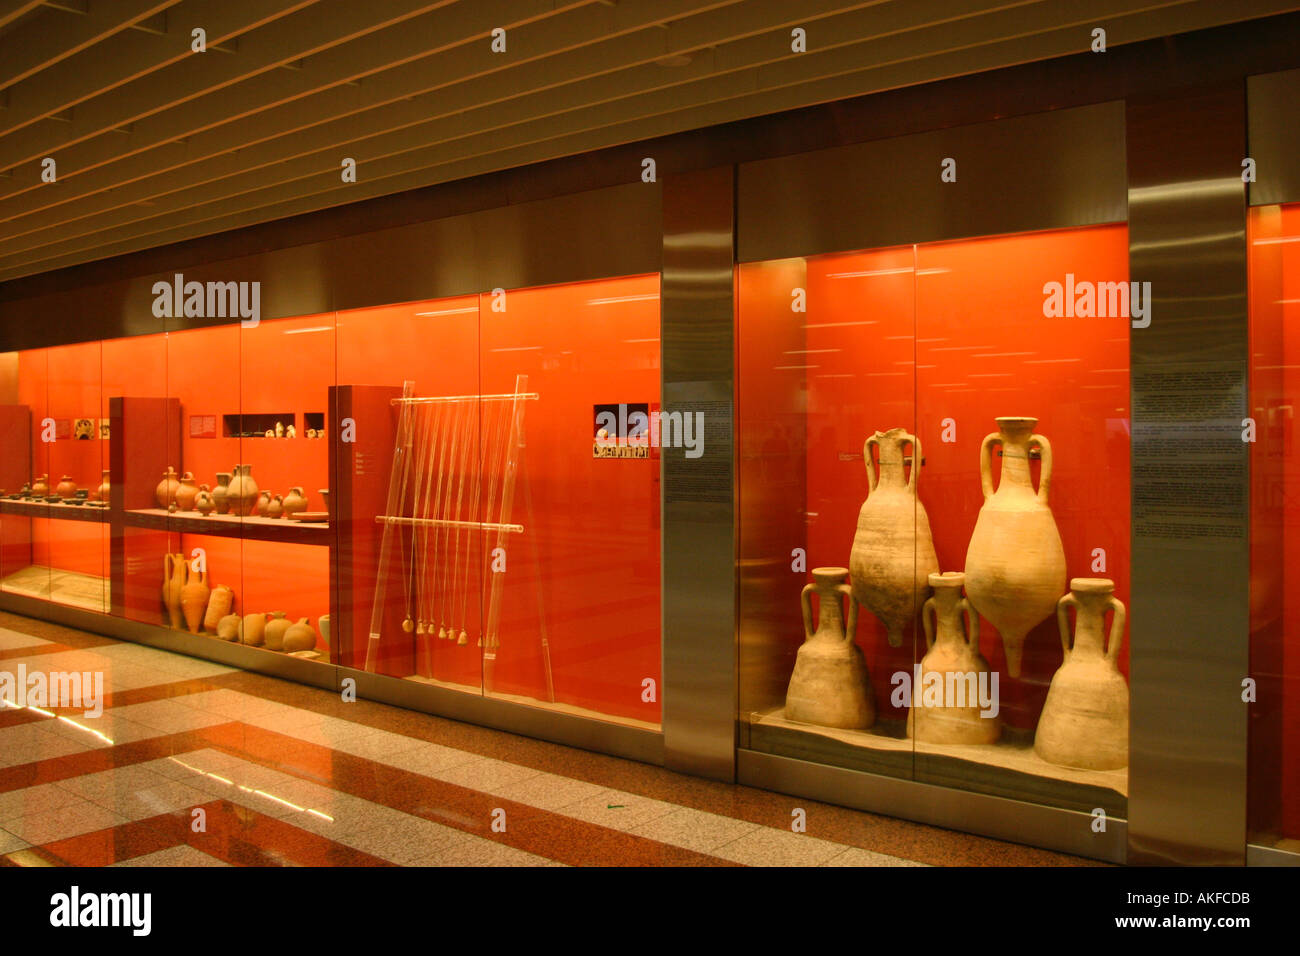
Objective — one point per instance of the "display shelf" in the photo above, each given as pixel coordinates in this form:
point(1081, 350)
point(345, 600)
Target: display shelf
point(253, 528)
point(86, 591)
point(559, 708)
point(1008, 768)
point(62, 512)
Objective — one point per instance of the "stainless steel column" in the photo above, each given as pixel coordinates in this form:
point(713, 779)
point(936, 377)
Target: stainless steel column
point(699, 576)
point(1190, 615)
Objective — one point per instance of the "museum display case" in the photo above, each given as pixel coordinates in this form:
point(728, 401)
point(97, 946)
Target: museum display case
point(458, 492)
point(937, 435)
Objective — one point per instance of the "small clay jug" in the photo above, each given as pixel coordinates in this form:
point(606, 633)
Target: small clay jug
point(1015, 565)
point(173, 582)
point(253, 629)
point(1084, 723)
point(242, 491)
point(893, 552)
point(946, 698)
point(219, 606)
point(203, 502)
point(41, 486)
point(186, 491)
point(323, 622)
point(830, 685)
point(104, 489)
point(263, 504)
point(325, 496)
point(274, 507)
point(273, 635)
point(230, 627)
point(194, 599)
point(221, 493)
point(165, 493)
point(294, 502)
point(299, 637)
point(66, 487)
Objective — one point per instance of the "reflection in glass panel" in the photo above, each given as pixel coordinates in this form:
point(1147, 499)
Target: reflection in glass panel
point(1274, 766)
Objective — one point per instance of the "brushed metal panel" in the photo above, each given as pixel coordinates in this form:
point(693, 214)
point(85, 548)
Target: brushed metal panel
point(699, 555)
point(590, 235)
point(1044, 171)
point(571, 238)
point(1273, 113)
point(620, 740)
point(1189, 619)
point(1067, 831)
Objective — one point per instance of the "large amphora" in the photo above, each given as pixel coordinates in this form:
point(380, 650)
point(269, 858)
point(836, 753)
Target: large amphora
point(1015, 565)
point(893, 552)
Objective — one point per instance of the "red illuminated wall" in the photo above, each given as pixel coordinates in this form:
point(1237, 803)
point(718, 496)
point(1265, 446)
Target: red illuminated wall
point(1274, 244)
point(585, 572)
point(915, 336)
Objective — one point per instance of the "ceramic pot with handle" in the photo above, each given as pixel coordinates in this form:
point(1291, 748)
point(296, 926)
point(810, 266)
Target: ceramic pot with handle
point(893, 551)
point(830, 685)
point(1084, 723)
point(1015, 565)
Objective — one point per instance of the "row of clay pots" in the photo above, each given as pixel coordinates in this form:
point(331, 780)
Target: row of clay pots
point(236, 493)
point(67, 488)
point(191, 603)
point(1085, 719)
point(276, 634)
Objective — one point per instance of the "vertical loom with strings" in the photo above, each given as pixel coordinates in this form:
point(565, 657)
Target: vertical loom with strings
point(456, 458)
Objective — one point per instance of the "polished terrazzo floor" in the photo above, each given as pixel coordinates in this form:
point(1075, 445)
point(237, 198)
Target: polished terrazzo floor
point(287, 775)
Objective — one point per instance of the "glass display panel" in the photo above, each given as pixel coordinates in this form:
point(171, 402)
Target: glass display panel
point(1273, 234)
point(872, 385)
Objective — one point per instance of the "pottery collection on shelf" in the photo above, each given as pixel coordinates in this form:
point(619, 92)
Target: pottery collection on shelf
point(1014, 577)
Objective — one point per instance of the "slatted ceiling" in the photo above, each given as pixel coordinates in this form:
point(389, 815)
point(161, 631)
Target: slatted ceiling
point(413, 92)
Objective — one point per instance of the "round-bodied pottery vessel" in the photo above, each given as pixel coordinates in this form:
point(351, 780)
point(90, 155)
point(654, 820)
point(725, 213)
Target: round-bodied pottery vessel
point(299, 637)
point(104, 489)
point(41, 486)
point(66, 487)
point(893, 552)
point(1015, 565)
point(186, 492)
point(294, 502)
point(230, 627)
point(203, 502)
point(959, 703)
point(273, 636)
point(830, 685)
point(274, 507)
point(242, 492)
point(221, 493)
point(252, 630)
point(1084, 723)
point(165, 493)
